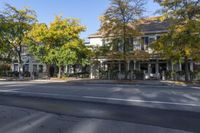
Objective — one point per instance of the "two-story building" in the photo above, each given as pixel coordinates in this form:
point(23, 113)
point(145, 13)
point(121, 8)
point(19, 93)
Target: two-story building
point(154, 67)
point(30, 64)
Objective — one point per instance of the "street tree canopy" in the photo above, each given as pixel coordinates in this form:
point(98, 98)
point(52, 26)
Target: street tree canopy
point(55, 44)
point(119, 26)
point(15, 24)
point(119, 22)
point(182, 42)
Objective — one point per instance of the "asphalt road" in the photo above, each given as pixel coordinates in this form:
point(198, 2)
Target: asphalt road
point(20, 120)
point(140, 96)
point(155, 96)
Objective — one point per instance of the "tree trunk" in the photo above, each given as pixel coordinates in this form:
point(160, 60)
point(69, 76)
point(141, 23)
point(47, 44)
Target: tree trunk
point(124, 51)
point(20, 66)
point(47, 70)
point(187, 73)
point(20, 70)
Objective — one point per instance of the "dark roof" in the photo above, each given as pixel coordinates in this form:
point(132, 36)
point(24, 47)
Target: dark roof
point(97, 34)
point(154, 26)
point(151, 25)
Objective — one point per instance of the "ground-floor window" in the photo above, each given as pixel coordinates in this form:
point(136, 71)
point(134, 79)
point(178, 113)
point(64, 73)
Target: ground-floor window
point(162, 67)
point(40, 68)
point(144, 67)
point(153, 68)
point(26, 68)
point(16, 67)
point(35, 68)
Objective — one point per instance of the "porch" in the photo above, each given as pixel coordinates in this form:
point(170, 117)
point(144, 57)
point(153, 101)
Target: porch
point(136, 70)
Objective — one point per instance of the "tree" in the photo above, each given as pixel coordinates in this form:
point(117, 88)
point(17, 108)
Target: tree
point(53, 44)
point(83, 52)
point(182, 42)
point(15, 24)
point(63, 56)
point(119, 25)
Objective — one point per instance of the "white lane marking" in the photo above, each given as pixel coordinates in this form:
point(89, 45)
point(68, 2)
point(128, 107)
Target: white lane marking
point(195, 88)
point(138, 85)
point(11, 90)
point(106, 98)
point(18, 85)
point(142, 101)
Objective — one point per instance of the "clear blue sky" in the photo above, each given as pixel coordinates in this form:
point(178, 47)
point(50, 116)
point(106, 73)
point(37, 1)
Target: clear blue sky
point(88, 11)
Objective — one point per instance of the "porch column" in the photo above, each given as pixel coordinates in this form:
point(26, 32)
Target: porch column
point(120, 66)
point(139, 67)
point(192, 66)
point(66, 69)
point(172, 69)
point(149, 68)
point(128, 65)
point(157, 69)
point(91, 72)
point(119, 74)
point(167, 65)
point(30, 65)
point(134, 67)
point(101, 64)
point(106, 67)
point(172, 66)
point(180, 66)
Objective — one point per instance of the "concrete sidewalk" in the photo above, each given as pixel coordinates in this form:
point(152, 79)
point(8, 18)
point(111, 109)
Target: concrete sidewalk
point(99, 81)
point(135, 82)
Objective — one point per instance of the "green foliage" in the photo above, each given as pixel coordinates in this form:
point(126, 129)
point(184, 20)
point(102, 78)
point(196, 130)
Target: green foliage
point(14, 24)
point(183, 38)
point(119, 23)
point(182, 42)
point(83, 53)
point(59, 43)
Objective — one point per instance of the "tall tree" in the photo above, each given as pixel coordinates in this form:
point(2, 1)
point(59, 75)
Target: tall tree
point(14, 28)
point(52, 44)
point(118, 25)
point(182, 42)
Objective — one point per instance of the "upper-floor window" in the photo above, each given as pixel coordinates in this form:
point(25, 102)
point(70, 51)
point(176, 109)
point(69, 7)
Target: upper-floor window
point(152, 39)
point(136, 44)
point(144, 43)
point(103, 42)
point(147, 41)
point(157, 37)
point(129, 43)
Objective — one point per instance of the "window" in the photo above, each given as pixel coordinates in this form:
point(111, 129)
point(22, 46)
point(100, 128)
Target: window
point(136, 44)
point(34, 68)
point(151, 39)
point(26, 68)
point(144, 43)
point(40, 68)
point(120, 45)
point(104, 42)
point(158, 37)
point(16, 67)
point(130, 44)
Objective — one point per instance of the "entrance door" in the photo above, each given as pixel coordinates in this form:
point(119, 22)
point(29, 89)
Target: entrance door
point(153, 69)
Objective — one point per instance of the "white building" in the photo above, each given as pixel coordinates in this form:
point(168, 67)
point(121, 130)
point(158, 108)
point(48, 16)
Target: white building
point(30, 64)
point(153, 68)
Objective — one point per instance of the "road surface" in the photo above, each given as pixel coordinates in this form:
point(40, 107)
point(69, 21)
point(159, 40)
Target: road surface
point(183, 114)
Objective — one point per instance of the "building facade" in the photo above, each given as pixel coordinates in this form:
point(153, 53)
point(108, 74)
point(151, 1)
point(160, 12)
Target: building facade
point(152, 68)
point(30, 64)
